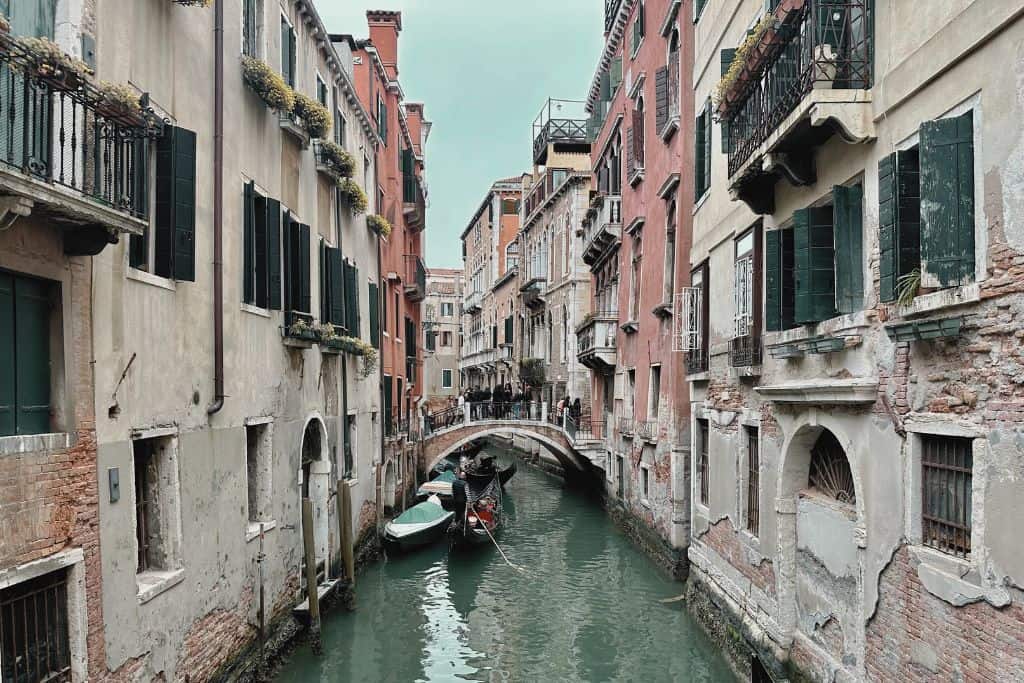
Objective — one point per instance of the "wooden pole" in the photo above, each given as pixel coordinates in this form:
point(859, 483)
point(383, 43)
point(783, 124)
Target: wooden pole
point(311, 593)
point(263, 615)
point(345, 522)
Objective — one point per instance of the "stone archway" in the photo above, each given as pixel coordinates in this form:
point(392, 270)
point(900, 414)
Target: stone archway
point(548, 436)
point(821, 542)
point(316, 482)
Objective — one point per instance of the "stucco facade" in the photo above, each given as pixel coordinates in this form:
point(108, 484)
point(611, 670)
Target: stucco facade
point(442, 343)
point(863, 578)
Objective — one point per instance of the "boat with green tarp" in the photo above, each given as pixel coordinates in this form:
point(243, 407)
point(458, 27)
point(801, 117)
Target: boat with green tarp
point(421, 524)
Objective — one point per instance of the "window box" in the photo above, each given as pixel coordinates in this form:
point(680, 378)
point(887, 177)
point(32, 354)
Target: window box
point(299, 326)
point(925, 330)
point(786, 351)
point(290, 124)
point(819, 345)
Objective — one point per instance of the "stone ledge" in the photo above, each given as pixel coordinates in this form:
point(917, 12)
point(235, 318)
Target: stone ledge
point(35, 443)
point(951, 580)
point(860, 391)
point(152, 584)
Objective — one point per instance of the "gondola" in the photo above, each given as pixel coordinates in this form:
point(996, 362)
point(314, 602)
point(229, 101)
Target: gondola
point(478, 512)
point(440, 486)
point(420, 525)
point(481, 473)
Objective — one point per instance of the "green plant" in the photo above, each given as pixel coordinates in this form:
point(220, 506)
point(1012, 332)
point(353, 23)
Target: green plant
point(268, 84)
point(121, 97)
point(532, 372)
point(339, 160)
point(50, 60)
point(739, 59)
point(354, 195)
point(299, 328)
point(316, 118)
point(5, 26)
point(907, 286)
point(326, 332)
point(378, 224)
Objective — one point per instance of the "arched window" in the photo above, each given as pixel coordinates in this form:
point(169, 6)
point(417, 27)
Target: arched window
point(830, 470)
point(670, 251)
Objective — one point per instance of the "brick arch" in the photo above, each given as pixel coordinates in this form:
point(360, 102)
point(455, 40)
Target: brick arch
point(440, 445)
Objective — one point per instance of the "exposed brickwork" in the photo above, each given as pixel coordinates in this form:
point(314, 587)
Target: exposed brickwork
point(724, 540)
point(214, 639)
point(976, 642)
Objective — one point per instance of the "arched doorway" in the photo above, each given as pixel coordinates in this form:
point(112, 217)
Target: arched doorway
point(820, 543)
point(316, 482)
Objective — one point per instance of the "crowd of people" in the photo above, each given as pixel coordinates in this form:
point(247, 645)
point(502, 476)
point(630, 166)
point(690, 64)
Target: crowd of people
point(501, 403)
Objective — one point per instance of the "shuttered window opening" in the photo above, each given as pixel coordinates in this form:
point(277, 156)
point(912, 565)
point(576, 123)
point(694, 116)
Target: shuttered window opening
point(349, 273)
point(139, 245)
point(661, 99)
point(703, 464)
point(899, 220)
point(814, 262)
point(25, 322)
point(753, 482)
point(947, 468)
point(702, 154)
point(332, 286)
point(173, 221)
point(374, 309)
point(639, 28)
point(509, 329)
point(847, 219)
point(780, 282)
point(252, 13)
point(296, 269)
point(288, 51)
point(261, 261)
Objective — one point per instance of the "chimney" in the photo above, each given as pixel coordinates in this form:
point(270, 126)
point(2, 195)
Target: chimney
point(384, 29)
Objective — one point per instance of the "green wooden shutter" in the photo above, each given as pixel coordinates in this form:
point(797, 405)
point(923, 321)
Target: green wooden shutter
point(726, 57)
point(184, 205)
point(814, 256)
point(273, 254)
point(847, 220)
point(947, 201)
point(708, 128)
point(700, 150)
point(387, 404)
point(661, 104)
point(32, 350)
point(431, 340)
point(337, 288)
point(615, 75)
point(509, 327)
point(773, 281)
point(7, 360)
point(163, 205)
point(324, 285)
point(605, 87)
point(137, 244)
point(374, 308)
point(260, 250)
point(888, 216)
point(304, 302)
point(291, 288)
point(249, 243)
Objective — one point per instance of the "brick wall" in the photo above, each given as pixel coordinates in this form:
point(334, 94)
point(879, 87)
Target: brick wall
point(915, 636)
point(724, 540)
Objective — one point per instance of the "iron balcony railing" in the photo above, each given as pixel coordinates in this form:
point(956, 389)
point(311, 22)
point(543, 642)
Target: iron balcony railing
point(559, 121)
point(814, 45)
point(745, 351)
point(415, 277)
point(626, 425)
point(647, 429)
point(696, 361)
point(414, 201)
point(611, 10)
point(63, 132)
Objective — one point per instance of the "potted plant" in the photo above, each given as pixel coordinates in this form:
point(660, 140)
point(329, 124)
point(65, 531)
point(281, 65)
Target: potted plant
point(119, 102)
point(354, 195)
point(315, 117)
point(302, 329)
point(336, 159)
point(378, 224)
point(267, 84)
point(48, 61)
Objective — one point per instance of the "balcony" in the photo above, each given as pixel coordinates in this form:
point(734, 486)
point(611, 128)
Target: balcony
point(533, 292)
point(807, 77)
point(415, 278)
point(595, 340)
point(611, 10)
point(414, 203)
point(626, 426)
point(473, 302)
point(745, 352)
point(66, 154)
point(602, 229)
point(647, 430)
point(696, 361)
point(561, 125)
point(479, 360)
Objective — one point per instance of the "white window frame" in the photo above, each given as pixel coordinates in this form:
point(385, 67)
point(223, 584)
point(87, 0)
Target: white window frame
point(450, 384)
point(266, 486)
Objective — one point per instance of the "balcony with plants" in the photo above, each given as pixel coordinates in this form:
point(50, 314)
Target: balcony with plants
point(333, 161)
point(802, 75)
point(71, 148)
point(602, 229)
point(561, 125)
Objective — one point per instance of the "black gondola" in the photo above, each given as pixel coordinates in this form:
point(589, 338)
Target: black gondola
point(481, 473)
point(477, 512)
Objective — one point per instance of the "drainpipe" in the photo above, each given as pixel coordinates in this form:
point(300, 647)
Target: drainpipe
point(218, 211)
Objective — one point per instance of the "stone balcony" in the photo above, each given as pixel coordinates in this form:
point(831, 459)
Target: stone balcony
point(596, 341)
point(602, 229)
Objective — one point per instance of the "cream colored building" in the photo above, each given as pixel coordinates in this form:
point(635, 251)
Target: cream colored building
point(855, 474)
point(442, 336)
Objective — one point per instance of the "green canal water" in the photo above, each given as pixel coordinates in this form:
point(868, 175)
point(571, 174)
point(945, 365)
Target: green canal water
point(585, 607)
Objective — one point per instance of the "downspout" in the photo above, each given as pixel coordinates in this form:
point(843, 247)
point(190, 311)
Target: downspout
point(218, 211)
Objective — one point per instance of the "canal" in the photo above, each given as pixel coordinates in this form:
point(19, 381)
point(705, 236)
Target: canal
point(585, 606)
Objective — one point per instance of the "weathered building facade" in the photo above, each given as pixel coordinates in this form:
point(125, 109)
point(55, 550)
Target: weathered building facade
point(851, 335)
point(489, 252)
point(442, 337)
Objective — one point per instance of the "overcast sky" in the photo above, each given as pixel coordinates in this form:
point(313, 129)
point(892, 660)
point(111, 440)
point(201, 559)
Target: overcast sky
point(483, 69)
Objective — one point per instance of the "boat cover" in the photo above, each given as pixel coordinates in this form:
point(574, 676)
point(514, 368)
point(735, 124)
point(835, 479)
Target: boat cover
point(427, 511)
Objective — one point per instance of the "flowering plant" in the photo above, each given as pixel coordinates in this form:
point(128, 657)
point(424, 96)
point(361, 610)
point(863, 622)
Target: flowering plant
point(378, 224)
point(316, 118)
point(354, 195)
point(337, 158)
point(267, 84)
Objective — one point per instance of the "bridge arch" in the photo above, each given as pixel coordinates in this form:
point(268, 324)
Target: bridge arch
point(440, 445)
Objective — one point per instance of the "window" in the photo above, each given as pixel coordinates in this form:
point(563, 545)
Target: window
point(296, 268)
point(446, 339)
point(631, 390)
point(634, 280)
point(639, 29)
point(814, 270)
point(703, 466)
point(171, 253)
point(288, 51)
point(645, 482)
point(350, 447)
point(446, 379)
point(926, 210)
point(27, 309)
point(654, 400)
point(636, 149)
point(947, 465)
point(321, 92)
point(830, 472)
point(157, 518)
point(692, 321)
point(35, 643)
point(258, 468)
point(340, 133)
point(743, 286)
point(447, 309)
point(373, 306)
point(702, 154)
point(261, 244)
point(753, 482)
point(382, 119)
point(670, 252)
point(508, 207)
point(252, 27)
point(698, 8)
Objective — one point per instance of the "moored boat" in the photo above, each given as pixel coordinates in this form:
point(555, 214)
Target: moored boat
point(477, 512)
point(440, 486)
point(420, 525)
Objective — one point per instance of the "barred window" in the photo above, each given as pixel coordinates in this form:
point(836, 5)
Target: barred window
point(34, 631)
point(946, 476)
point(702, 455)
point(753, 482)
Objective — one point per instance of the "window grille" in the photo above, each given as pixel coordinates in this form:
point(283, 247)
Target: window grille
point(830, 470)
point(34, 641)
point(753, 482)
point(946, 479)
point(702, 454)
point(743, 293)
point(687, 319)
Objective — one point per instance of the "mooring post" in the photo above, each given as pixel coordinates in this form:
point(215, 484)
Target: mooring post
point(345, 522)
point(261, 669)
point(311, 588)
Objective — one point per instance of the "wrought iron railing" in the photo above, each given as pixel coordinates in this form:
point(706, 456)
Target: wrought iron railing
point(647, 429)
point(626, 425)
point(64, 132)
point(745, 351)
point(696, 361)
point(611, 10)
point(559, 121)
point(415, 276)
point(815, 44)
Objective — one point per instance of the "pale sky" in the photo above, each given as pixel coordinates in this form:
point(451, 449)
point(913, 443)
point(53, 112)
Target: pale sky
point(483, 69)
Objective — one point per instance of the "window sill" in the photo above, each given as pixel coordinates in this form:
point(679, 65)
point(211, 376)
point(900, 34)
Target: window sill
point(671, 126)
point(153, 583)
point(150, 279)
point(631, 327)
point(256, 310)
point(297, 343)
point(844, 325)
point(947, 578)
point(698, 376)
point(937, 301)
point(663, 310)
point(252, 531)
point(745, 371)
point(35, 443)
